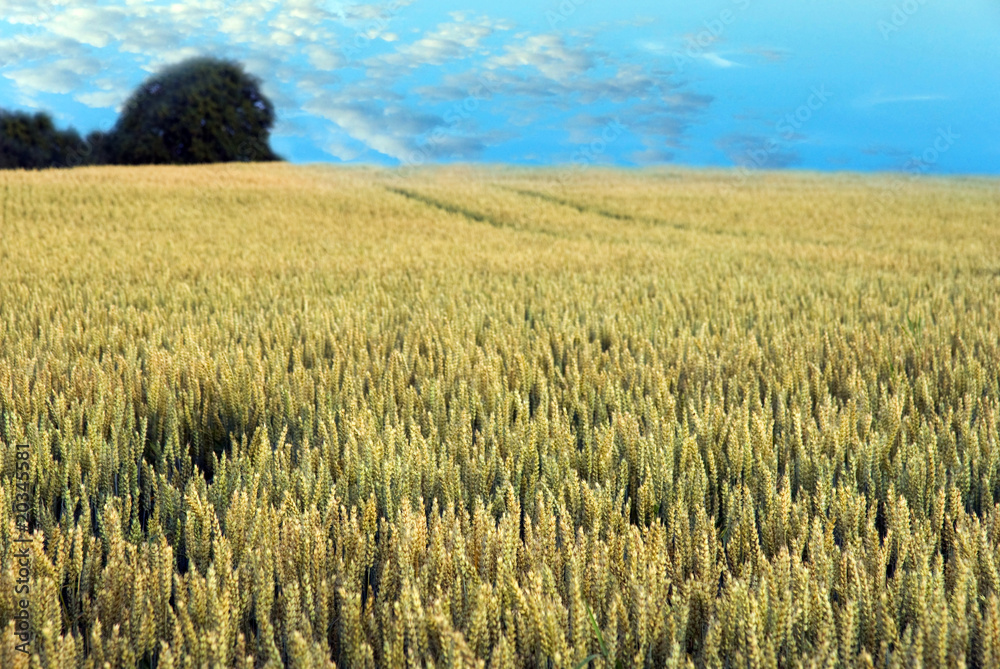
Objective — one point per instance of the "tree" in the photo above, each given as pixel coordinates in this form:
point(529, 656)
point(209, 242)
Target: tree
point(98, 143)
point(33, 142)
point(203, 110)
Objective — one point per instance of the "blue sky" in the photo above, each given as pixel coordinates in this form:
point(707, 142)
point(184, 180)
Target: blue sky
point(910, 85)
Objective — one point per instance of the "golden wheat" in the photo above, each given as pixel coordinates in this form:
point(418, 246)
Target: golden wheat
point(288, 416)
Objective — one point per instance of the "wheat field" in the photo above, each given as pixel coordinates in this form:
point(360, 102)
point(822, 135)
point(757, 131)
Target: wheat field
point(267, 416)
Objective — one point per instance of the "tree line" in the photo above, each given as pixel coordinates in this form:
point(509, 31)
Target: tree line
point(202, 110)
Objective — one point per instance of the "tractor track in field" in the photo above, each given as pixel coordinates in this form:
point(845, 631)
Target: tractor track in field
point(469, 214)
point(617, 215)
point(606, 213)
point(656, 222)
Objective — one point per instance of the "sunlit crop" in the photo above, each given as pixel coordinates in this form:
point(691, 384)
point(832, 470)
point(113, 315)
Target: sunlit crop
point(279, 415)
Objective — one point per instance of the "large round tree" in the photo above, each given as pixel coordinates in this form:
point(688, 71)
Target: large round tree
point(203, 110)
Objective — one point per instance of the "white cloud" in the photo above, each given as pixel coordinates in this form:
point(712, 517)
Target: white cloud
point(323, 58)
point(715, 59)
point(312, 84)
point(769, 54)
point(341, 150)
point(548, 54)
point(21, 12)
point(652, 46)
point(397, 131)
point(96, 26)
point(44, 80)
point(166, 57)
point(685, 103)
point(282, 38)
point(879, 98)
point(63, 76)
point(100, 99)
point(364, 12)
point(237, 25)
point(390, 130)
point(448, 42)
point(21, 49)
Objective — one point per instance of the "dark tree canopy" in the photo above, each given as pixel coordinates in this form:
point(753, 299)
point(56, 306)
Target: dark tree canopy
point(202, 110)
point(32, 141)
